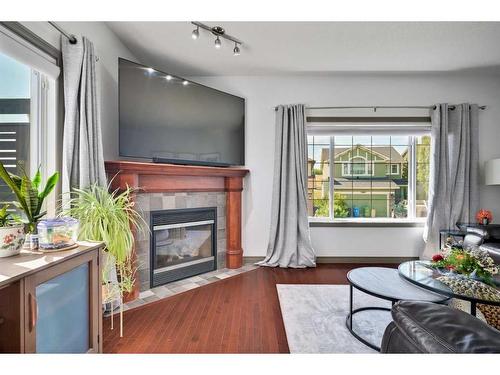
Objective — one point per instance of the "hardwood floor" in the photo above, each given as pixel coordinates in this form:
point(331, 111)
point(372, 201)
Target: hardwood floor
point(240, 314)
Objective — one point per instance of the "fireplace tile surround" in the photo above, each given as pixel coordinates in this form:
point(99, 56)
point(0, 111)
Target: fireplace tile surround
point(160, 186)
point(147, 202)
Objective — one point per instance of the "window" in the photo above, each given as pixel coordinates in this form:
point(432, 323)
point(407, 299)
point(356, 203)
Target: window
point(20, 107)
point(15, 98)
point(373, 176)
point(29, 131)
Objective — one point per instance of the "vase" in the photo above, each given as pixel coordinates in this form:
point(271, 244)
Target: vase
point(11, 240)
point(485, 221)
point(32, 240)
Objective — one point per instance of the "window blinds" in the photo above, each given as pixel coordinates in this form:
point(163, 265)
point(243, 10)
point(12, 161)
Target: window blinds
point(367, 122)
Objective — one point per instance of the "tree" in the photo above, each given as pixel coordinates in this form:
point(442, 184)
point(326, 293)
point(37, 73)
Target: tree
point(423, 170)
point(340, 208)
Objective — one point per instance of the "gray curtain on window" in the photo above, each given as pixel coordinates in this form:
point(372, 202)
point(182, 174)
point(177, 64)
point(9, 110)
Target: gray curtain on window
point(83, 162)
point(454, 179)
point(289, 240)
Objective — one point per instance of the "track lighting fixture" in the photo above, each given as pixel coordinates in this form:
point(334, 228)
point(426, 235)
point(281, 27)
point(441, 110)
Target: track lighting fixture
point(168, 77)
point(185, 83)
point(236, 50)
point(196, 33)
point(219, 33)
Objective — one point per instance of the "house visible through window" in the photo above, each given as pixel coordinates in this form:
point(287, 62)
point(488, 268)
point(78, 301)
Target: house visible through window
point(368, 177)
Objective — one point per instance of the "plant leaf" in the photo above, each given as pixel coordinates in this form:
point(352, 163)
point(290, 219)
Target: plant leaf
point(14, 187)
point(49, 186)
point(37, 179)
point(30, 196)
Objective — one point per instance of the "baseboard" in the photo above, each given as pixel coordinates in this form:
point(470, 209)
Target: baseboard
point(252, 260)
point(395, 260)
point(320, 260)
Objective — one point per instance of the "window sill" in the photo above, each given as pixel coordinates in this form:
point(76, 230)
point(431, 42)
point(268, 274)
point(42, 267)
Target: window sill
point(365, 223)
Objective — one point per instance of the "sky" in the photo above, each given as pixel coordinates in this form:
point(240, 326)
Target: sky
point(14, 78)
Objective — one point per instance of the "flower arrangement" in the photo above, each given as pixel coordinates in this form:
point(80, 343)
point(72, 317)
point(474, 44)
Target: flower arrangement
point(484, 217)
point(472, 262)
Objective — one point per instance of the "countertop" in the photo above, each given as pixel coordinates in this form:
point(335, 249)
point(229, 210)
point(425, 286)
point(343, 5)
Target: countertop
point(28, 262)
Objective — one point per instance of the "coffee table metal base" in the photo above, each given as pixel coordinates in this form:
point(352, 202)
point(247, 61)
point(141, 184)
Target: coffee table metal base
point(348, 321)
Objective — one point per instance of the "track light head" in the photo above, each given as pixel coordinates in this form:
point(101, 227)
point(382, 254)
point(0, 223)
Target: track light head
point(185, 83)
point(219, 34)
point(168, 77)
point(236, 50)
point(196, 33)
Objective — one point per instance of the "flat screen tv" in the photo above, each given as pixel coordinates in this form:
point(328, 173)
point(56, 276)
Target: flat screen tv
point(169, 119)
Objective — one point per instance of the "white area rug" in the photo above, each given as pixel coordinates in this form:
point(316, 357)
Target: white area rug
point(315, 315)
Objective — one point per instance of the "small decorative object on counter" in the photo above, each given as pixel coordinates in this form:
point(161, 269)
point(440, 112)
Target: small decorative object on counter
point(11, 235)
point(57, 233)
point(484, 217)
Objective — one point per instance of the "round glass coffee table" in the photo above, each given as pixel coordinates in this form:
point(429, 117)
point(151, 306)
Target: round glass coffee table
point(421, 274)
point(387, 284)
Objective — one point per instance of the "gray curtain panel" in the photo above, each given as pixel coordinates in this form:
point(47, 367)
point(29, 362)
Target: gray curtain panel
point(289, 240)
point(83, 162)
point(454, 179)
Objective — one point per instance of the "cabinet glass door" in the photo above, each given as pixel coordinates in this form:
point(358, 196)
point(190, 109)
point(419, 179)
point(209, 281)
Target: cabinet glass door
point(63, 308)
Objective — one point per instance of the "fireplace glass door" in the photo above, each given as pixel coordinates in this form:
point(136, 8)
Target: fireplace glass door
point(181, 250)
point(180, 244)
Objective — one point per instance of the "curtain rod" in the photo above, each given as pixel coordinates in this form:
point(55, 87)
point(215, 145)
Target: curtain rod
point(72, 39)
point(482, 107)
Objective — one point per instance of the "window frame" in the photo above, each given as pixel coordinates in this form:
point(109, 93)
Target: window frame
point(388, 169)
point(369, 167)
point(43, 115)
point(410, 220)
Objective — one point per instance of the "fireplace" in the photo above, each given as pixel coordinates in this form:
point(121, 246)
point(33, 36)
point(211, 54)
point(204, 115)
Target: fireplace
point(183, 243)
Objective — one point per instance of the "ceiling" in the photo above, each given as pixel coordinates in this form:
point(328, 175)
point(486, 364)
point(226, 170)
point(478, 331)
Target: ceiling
point(315, 47)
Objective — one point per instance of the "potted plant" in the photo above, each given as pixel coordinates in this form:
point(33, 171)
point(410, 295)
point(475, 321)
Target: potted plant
point(474, 263)
point(11, 235)
point(484, 217)
point(109, 217)
point(30, 197)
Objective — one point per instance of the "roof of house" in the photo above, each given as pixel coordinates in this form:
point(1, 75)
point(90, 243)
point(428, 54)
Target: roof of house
point(388, 152)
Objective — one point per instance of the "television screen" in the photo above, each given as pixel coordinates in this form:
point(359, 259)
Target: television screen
point(170, 119)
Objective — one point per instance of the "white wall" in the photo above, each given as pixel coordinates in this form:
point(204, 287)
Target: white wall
point(108, 48)
point(263, 93)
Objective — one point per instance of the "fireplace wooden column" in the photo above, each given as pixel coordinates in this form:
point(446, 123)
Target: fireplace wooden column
point(170, 178)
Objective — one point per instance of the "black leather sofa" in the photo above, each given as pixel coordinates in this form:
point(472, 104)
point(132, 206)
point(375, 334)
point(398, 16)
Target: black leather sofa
point(486, 237)
point(423, 327)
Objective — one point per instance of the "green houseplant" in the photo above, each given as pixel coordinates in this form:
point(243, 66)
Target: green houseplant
point(109, 217)
point(11, 235)
point(29, 194)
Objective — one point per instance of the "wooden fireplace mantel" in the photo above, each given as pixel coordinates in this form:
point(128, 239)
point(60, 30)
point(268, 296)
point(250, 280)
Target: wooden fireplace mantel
point(159, 178)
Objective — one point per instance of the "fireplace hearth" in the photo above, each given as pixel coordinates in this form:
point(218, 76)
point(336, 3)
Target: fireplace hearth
point(183, 243)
